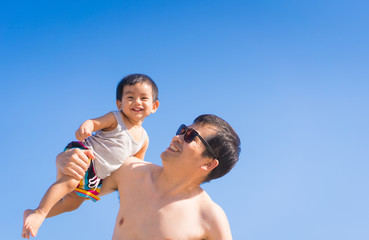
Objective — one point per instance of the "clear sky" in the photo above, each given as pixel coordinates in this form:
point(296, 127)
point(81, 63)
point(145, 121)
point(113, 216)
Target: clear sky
point(291, 77)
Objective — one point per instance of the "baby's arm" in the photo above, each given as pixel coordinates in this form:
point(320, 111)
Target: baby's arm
point(106, 122)
point(141, 153)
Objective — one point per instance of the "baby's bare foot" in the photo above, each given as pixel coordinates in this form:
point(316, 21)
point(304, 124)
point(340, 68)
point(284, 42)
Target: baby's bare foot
point(25, 231)
point(32, 222)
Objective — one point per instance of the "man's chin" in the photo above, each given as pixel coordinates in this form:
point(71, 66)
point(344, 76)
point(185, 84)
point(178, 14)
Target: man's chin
point(162, 155)
point(165, 156)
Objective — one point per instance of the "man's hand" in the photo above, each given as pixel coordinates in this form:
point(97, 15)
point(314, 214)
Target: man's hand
point(74, 162)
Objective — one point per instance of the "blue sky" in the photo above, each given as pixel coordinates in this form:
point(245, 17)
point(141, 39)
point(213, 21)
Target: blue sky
point(291, 77)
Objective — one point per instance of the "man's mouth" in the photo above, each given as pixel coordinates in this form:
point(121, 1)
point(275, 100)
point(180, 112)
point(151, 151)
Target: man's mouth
point(173, 148)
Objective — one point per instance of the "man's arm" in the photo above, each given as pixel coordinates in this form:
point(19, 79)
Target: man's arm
point(75, 162)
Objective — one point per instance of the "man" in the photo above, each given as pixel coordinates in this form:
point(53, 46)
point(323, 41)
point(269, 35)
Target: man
point(167, 202)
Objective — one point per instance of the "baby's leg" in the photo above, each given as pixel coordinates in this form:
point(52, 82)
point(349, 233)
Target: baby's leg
point(68, 203)
point(34, 218)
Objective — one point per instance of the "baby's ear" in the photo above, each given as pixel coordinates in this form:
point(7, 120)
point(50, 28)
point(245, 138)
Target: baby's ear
point(119, 104)
point(155, 106)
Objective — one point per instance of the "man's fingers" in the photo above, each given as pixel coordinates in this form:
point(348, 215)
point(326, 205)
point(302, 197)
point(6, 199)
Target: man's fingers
point(85, 155)
point(77, 174)
point(74, 162)
point(80, 159)
point(89, 154)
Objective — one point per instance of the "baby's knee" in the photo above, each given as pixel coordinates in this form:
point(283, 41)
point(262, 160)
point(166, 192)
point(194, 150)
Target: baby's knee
point(72, 203)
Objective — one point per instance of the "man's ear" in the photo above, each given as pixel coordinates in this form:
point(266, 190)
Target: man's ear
point(210, 165)
point(155, 106)
point(119, 104)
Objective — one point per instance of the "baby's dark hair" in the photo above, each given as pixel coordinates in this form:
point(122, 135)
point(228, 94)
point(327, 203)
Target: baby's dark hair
point(132, 79)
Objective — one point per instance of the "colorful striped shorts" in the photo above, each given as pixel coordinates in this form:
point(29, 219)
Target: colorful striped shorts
point(90, 186)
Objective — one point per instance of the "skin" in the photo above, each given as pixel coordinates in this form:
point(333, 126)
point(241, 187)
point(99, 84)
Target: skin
point(166, 202)
point(136, 104)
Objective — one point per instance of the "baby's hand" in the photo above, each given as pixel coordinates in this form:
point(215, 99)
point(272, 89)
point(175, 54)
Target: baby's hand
point(84, 131)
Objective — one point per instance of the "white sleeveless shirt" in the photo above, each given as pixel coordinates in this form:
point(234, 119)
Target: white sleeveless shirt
point(111, 148)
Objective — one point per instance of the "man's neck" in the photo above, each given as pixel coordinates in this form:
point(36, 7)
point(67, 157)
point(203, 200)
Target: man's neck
point(174, 185)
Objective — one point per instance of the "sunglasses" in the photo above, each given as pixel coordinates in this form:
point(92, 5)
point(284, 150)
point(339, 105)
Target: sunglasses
point(189, 136)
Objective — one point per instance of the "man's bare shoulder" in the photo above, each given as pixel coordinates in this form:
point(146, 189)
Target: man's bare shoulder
point(215, 217)
point(132, 169)
point(134, 162)
point(208, 205)
point(133, 165)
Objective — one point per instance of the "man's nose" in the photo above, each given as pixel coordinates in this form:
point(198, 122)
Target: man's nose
point(179, 138)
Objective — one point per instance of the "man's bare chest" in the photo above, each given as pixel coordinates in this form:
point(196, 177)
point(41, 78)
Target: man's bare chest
point(149, 217)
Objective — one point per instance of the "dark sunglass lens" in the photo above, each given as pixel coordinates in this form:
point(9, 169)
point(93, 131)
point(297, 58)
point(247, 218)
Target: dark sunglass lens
point(190, 135)
point(181, 129)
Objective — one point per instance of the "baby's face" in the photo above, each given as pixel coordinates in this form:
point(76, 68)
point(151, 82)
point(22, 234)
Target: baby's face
point(137, 102)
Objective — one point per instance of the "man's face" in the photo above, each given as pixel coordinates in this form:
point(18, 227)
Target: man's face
point(188, 153)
